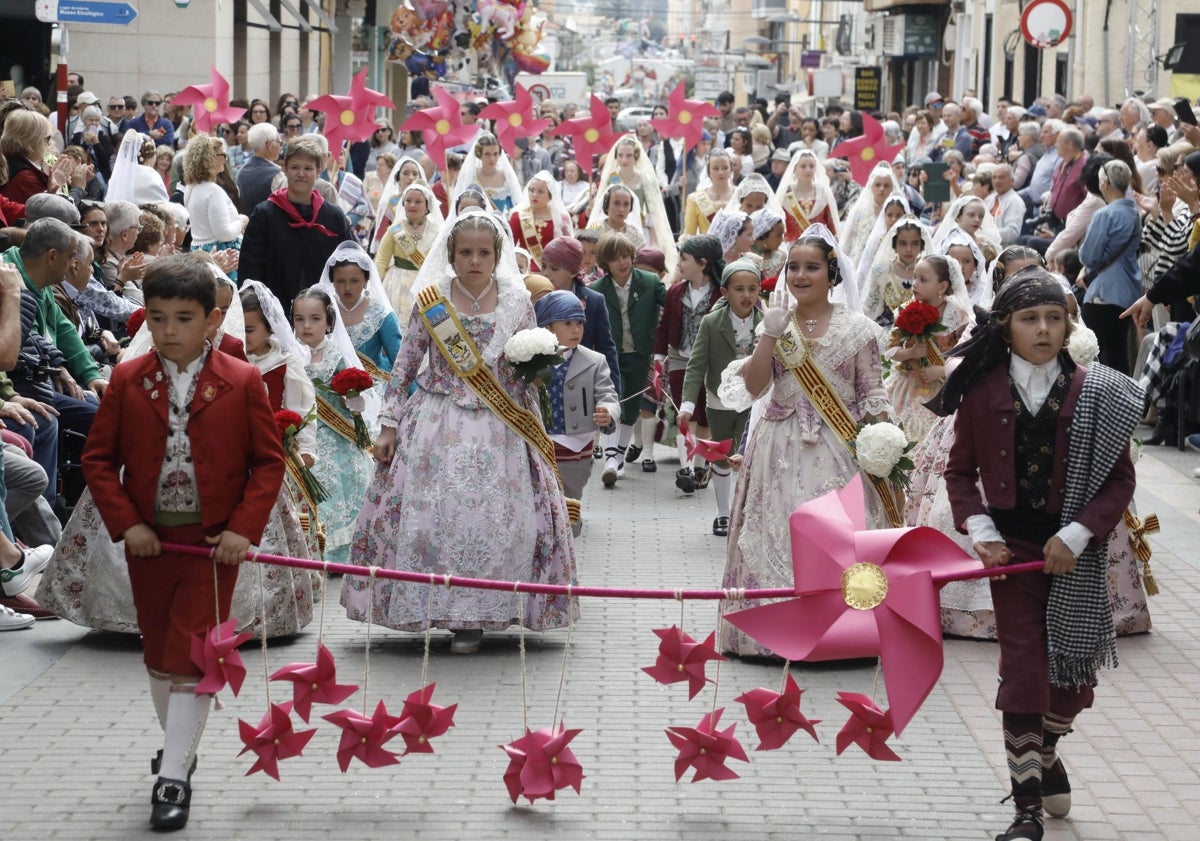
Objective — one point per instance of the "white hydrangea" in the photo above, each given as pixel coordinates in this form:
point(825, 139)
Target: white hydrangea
point(1083, 345)
point(526, 344)
point(879, 446)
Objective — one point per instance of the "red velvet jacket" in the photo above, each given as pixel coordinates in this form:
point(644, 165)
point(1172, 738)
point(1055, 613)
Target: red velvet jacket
point(670, 323)
point(984, 450)
point(235, 446)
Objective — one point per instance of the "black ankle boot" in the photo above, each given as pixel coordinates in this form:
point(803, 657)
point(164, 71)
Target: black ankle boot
point(1165, 430)
point(170, 799)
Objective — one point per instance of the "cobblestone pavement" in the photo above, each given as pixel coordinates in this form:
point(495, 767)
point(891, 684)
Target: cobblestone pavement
point(77, 727)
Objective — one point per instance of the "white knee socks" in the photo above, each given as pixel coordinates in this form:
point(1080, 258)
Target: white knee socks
point(649, 427)
point(187, 713)
point(160, 689)
point(721, 483)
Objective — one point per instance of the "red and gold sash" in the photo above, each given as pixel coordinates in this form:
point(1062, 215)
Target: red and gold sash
point(529, 230)
point(328, 414)
point(793, 207)
point(795, 356)
point(464, 358)
point(377, 374)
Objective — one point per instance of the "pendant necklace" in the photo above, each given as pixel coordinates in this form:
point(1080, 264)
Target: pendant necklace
point(810, 324)
point(474, 298)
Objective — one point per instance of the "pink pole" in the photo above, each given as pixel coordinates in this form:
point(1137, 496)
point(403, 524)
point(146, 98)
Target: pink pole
point(567, 590)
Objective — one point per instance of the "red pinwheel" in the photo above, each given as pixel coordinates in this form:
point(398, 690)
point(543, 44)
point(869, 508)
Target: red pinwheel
point(215, 653)
point(591, 135)
point(706, 749)
point(867, 150)
point(682, 658)
point(273, 739)
point(862, 594)
point(211, 103)
point(654, 385)
point(442, 126)
point(364, 737)
point(421, 721)
point(776, 715)
point(351, 117)
point(704, 447)
point(685, 117)
point(514, 119)
point(868, 727)
point(540, 763)
point(315, 683)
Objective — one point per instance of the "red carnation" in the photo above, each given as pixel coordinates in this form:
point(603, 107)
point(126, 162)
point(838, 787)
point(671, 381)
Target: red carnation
point(916, 318)
point(351, 382)
point(287, 422)
point(135, 321)
point(767, 286)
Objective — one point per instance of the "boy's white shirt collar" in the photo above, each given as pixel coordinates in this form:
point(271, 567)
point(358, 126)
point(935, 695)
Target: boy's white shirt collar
point(1033, 381)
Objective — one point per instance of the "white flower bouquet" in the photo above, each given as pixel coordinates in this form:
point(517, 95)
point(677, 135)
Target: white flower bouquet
point(1083, 345)
point(882, 449)
point(532, 353)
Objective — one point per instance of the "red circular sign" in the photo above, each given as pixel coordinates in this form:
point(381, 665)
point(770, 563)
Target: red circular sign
point(1046, 23)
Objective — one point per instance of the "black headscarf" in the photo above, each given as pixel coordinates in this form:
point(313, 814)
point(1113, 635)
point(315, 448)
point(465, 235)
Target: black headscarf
point(1030, 287)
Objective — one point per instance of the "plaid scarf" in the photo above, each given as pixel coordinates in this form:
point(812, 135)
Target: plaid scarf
point(1079, 623)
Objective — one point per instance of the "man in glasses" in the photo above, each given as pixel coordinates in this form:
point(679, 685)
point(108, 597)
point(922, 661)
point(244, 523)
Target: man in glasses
point(152, 123)
point(114, 119)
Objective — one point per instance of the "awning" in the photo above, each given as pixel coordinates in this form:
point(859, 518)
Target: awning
point(272, 24)
point(305, 26)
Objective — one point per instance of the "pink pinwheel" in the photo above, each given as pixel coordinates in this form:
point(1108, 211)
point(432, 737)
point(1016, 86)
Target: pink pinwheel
point(315, 682)
point(421, 721)
point(776, 715)
point(862, 594)
point(273, 739)
point(591, 135)
point(364, 737)
point(215, 653)
point(211, 103)
point(351, 117)
point(868, 727)
point(706, 749)
point(540, 763)
point(867, 150)
point(442, 126)
point(682, 658)
point(704, 447)
point(685, 117)
point(514, 119)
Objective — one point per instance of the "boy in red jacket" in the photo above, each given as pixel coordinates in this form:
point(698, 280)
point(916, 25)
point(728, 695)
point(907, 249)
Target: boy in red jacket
point(160, 410)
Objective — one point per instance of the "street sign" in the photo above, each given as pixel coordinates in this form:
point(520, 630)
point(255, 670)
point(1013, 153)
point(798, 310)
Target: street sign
point(1046, 23)
point(85, 11)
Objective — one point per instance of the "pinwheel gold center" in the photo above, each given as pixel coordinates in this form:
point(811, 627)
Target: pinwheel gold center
point(591, 135)
point(515, 119)
point(868, 153)
point(685, 117)
point(442, 126)
point(864, 586)
point(211, 104)
point(347, 117)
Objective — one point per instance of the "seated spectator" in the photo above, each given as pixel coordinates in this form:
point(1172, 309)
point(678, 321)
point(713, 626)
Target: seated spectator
point(86, 181)
point(95, 141)
point(26, 137)
point(121, 266)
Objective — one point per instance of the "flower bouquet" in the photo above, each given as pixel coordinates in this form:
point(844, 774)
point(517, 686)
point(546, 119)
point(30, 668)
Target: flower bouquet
point(881, 450)
point(289, 424)
point(918, 322)
point(532, 353)
point(767, 286)
point(349, 384)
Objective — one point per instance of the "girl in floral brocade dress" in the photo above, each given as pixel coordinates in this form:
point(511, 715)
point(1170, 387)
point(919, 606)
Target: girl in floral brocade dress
point(792, 454)
point(457, 491)
point(406, 244)
point(539, 217)
point(343, 467)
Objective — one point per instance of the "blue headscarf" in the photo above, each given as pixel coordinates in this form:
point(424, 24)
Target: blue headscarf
point(559, 305)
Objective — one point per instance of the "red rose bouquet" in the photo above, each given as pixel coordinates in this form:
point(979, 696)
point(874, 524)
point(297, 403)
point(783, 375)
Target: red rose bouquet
point(349, 384)
point(767, 286)
point(919, 322)
point(289, 425)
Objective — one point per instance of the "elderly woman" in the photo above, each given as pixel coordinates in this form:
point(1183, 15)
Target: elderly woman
point(24, 143)
point(1028, 136)
point(95, 140)
point(216, 223)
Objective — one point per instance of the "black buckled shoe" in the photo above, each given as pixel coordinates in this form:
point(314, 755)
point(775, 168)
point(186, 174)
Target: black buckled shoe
point(721, 527)
point(1026, 826)
point(1056, 790)
point(171, 800)
point(156, 763)
point(632, 452)
point(703, 475)
point(649, 465)
point(685, 480)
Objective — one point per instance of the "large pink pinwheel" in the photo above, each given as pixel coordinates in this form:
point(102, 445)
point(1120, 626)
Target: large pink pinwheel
point(685, 117)
point(442, 126)
point(514, 119)
point(867, 150)
point(862, 594)
point(591, 135)
point(211, 102)
point(350, 117)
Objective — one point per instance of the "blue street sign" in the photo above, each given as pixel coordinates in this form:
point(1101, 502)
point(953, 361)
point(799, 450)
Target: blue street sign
point(87, 11)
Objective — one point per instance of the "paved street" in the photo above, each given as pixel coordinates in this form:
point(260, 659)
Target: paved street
point(78, 729)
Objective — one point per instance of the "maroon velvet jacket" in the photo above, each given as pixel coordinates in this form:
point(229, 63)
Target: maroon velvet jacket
point(984, 445)
point(670, 323)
